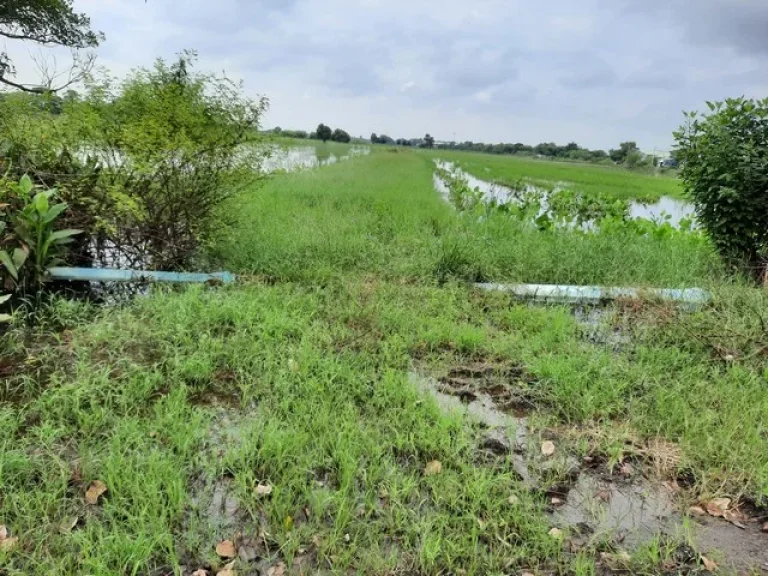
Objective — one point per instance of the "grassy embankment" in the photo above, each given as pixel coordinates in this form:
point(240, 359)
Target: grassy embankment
point(298, 380)
point(580, 177)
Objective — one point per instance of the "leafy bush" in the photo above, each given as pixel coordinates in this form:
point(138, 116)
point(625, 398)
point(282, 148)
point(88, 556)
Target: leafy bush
point(724, 159)
point(144, 164)
point(29, 243)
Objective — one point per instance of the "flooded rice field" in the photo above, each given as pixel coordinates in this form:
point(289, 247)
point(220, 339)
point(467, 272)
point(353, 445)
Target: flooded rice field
point(290, 159)
point(666, 208)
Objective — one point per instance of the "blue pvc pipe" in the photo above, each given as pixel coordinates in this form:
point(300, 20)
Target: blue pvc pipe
point(113, 275)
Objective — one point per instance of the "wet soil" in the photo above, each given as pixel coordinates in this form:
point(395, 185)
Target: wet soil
point(594, 504)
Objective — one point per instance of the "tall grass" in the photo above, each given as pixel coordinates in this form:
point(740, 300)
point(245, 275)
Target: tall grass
point(380, 214)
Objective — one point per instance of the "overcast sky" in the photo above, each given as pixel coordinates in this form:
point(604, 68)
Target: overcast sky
point(594, 71)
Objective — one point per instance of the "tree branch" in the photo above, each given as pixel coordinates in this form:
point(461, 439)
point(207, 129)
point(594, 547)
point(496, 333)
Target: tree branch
point(22, 87)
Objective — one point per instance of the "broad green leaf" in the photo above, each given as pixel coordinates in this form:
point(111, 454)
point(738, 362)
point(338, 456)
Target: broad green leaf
point(4, 299)
point(41, 203)
point(20, 256)
point(4, 318)
point(54, 212)
point(6, 261)
point(62, 234)
point(25, 185)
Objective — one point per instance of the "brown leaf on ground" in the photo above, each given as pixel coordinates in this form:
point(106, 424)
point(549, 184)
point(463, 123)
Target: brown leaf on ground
point(718, 507)
point(697, 511)
point(94, 492)
point(228, 570)
point(557, 501)
point(277, 570)
point(548, 448)
point(433, 468)
point(765, 528)
point(736, 518)
point(708, 564)
point(200, 572)
point(226, 549)
point(604, 495)
point(9, 544)
point(263, 490)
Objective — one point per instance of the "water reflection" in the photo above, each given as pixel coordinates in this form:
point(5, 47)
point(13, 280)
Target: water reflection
point(666, 208)
point(282, 159)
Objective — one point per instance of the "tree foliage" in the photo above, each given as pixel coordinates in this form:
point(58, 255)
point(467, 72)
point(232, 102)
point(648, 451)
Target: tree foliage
point(625, 149)
point(44, 22)
point(724, 157)
point(340, 135)
point(429, 141)
point(323, 132)
point(144, 164)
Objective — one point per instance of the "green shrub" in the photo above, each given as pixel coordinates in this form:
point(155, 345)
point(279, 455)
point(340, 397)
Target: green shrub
point(144, 164)
point(29, 241)
point(724, 159)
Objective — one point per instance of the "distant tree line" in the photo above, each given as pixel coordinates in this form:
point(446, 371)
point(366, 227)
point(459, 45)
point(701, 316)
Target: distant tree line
point(627, 154)
point(322, 132)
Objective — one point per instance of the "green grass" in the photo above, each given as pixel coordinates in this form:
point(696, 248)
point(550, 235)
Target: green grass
point(589, 178)
point(379, 214)
point(300, 379)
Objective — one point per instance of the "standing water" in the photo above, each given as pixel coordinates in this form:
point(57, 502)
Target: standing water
point(665, 209)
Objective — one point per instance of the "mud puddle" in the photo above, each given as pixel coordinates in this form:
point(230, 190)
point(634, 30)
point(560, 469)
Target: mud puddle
point(215, 512)
point(622, 510)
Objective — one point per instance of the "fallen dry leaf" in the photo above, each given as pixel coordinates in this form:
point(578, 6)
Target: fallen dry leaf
point(708, 564)
point(226, 549)
point(718, 507)
point(277, 570)
point(513, 500)
point(433, 468)
point(94, 492)
point(228, 570)
point(527, 574)
point(200, 572)
point(8, 544)
point(604, 495)
point(316, 540)
point(619, 559)
point(557, 502)
point(263, 490)
point(548, 448)
point(5, 542)
point(556, 533)
point(736, 518)
point(765, 528)
point(697, 511)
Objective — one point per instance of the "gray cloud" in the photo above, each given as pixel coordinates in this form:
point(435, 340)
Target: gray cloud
point(596, 71)
point(739, 24)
